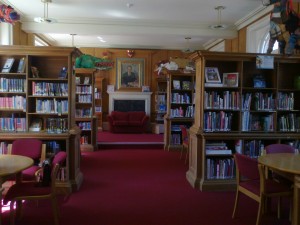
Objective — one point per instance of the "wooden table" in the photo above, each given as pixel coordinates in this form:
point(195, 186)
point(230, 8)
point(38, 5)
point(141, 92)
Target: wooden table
point(12, 165)
point(288, 163)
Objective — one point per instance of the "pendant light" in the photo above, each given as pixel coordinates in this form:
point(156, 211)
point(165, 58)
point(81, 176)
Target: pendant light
point(219, 25)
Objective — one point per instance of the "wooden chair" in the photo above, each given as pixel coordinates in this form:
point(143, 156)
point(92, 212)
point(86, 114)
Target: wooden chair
point(33, 191)
point(251, 181)
point(185, 142)
point(32, 148)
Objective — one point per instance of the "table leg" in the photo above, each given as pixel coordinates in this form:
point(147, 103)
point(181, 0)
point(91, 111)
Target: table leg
point(296, 201)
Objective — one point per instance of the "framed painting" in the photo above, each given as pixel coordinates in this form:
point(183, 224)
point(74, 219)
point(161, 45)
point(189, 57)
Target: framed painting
point(130, 73)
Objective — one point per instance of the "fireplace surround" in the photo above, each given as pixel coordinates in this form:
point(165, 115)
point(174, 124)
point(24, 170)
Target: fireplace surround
point(132, 100)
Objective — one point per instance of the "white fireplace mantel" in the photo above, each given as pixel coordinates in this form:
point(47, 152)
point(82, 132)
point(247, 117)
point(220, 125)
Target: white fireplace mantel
point(124, 95)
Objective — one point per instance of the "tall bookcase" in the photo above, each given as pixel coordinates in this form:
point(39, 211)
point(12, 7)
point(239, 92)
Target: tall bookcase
point(180, 107)
point(85, 107)
point(36, 102)
point(160, 103)
point(256, 108)
point(100, 90)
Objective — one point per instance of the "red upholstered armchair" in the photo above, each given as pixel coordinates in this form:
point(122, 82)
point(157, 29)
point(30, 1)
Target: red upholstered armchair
point(32, 148)
point(128, 122)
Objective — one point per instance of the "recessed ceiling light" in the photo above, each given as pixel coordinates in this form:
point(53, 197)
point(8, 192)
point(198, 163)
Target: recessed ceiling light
point(129, 4)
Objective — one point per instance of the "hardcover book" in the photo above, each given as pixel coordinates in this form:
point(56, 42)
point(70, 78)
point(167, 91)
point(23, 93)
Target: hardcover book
point(8, 65)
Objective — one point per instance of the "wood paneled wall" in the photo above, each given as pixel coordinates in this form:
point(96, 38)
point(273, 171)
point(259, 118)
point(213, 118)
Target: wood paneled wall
point(151, 57)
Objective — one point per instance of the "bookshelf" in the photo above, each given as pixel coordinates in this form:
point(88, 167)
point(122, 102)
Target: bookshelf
point(160, 103)
point(240, 115)
point(180, 107)
point(37, 102)
point(85, 100)
point(100, 90)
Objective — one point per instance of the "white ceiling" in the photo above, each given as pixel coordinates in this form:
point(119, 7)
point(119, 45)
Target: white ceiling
point(147, 24)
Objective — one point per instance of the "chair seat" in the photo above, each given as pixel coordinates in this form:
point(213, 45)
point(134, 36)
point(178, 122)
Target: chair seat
point(251, 185)
point(29, 174)
point(26, 189)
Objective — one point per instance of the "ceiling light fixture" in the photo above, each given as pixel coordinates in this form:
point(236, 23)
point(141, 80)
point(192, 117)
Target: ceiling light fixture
point(45, 19)
point(219, 25)
point(188, 49)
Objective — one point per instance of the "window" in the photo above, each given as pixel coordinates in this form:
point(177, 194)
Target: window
point(5, 34)
point(39, 42)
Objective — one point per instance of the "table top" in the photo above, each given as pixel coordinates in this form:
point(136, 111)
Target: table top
point(286, 162)
point(12, 164)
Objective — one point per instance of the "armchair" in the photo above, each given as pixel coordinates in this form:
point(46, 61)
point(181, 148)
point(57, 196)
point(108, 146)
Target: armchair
point(36, 191)
point(252, 182)
point(32, 148)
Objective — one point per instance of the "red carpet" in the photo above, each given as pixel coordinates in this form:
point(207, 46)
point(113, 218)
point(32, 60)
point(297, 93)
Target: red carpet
point(146, 187)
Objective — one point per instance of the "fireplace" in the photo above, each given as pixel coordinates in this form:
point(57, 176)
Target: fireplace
point(130, 101)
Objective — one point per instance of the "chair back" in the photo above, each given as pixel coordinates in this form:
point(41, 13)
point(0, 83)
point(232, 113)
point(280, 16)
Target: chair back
point(246, 167)
point(279, 148)
point(59, 158)
point(29, 147)
point(184, 133)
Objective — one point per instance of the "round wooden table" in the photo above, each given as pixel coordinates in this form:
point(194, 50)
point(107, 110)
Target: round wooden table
point(12, 165)
point(288, 163)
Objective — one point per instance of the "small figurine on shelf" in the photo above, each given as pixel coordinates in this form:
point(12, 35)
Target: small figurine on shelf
point(35, 72)
point(63, 73)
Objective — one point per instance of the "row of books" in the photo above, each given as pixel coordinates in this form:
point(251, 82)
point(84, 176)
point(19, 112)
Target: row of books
point(179, 112)
point(49, 89)
point(98, 95)
point(220, 168)
point(14, 102)
point(289, 122)
point(98, 109)
point(180, 99)
point(83, 113)
point(254, 148)
point(57, 125)
point(3, 148)
point(160, 99)
point(10, 124)
point(51, 106)
point(85, 125)
point(285, 101)
point(87, 98)
point(217, 121)
point(223, 100)
point(84, 89)
point(12, 85)
point(255, 122)
point(175, 139)
point(259, 101)
point(84, 140)
point(182, 85)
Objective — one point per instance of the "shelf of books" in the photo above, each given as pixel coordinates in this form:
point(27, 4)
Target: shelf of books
point(180, 107)
point(160, 103)
point(85, 108)
point(99, 89)
point(240, 107)
point(35, 102)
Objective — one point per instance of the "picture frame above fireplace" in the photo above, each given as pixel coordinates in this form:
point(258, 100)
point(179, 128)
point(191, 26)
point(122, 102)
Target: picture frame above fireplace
point(130, 74)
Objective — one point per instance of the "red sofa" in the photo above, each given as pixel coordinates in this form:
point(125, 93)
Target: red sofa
point(128, 122)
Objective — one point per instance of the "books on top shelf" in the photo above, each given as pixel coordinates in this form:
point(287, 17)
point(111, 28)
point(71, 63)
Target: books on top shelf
point(212, 75)
point(8, 65)
point(21, 66)
point(176, 84)
point(230, 79)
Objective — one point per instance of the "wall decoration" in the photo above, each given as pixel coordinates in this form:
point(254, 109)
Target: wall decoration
point(130, 73)
point(8, 14)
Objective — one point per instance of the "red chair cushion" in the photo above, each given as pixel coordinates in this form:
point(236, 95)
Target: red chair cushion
point(27, 147)
point(29, 174)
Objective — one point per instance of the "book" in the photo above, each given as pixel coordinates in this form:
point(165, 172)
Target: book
point(186, 85)
point(86, 80)
point(21, 66)
point(259, 81)
point(176, 84)
point(8, 65)
point(230, 79)
point(212, 75)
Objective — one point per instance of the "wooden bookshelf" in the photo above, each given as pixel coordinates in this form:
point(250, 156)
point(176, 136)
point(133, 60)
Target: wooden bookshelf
point(243, 117)
point(36, 96)
point(85, 107)
point(180, 107)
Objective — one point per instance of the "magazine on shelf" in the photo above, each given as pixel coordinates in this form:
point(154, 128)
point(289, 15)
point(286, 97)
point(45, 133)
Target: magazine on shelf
point(230, 79)
point(8, 65)
point(212, 75)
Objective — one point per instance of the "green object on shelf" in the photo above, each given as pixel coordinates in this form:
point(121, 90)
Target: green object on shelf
point(297, 82)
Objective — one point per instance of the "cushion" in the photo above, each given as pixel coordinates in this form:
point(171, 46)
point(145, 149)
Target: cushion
point(136, 116)
point(120, 123)
point(116, 115)
point(135, 123)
